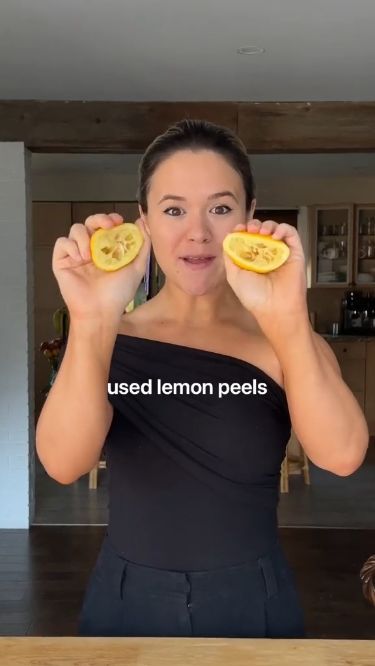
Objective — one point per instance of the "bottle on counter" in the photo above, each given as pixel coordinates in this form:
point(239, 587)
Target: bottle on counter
point(371, 314)
point(366, 305)
point(344, 303)
point(353, 313)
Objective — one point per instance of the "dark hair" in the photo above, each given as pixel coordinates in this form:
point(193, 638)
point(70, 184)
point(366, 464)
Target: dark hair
point(195, 135)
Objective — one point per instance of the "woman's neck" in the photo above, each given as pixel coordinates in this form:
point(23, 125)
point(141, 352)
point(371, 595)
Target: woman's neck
point(198, 311)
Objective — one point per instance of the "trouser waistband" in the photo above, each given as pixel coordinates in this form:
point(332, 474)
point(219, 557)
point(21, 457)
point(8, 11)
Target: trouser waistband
point(271, 564)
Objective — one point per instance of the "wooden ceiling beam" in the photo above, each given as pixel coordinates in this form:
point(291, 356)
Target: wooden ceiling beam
point(100, 127)
point(307, 127)
point(128, 127)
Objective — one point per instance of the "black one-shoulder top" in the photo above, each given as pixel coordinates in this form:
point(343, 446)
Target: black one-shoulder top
point(194, 457)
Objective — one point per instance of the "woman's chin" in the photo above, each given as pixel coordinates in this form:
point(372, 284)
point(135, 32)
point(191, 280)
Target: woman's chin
point(199, 288)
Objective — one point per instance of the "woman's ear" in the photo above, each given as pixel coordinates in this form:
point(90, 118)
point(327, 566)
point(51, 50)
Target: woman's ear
point(252, 209)
point(144, 219)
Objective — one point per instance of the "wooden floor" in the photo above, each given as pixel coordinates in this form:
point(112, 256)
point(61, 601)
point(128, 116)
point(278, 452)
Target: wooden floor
point(43, 573)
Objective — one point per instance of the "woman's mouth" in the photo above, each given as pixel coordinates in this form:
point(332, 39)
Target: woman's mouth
point(198, 262)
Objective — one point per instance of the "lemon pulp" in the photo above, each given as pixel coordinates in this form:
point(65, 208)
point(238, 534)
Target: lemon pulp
point(112, 249)
point(255, 252)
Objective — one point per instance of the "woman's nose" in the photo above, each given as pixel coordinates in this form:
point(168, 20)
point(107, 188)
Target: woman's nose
point(199, 230)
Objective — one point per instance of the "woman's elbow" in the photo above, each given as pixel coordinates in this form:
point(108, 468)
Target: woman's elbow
point(64, 478)
point(348, 468)
point(352, 461)
point(57, 473)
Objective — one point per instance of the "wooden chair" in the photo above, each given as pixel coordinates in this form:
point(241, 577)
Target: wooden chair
point(295, 462)
point(93, 475)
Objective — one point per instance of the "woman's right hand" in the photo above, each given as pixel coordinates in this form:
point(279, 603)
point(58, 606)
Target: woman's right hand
point(88, 291)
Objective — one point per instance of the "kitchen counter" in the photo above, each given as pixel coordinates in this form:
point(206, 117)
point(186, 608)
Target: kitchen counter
point(347, 338)
point(28, 651)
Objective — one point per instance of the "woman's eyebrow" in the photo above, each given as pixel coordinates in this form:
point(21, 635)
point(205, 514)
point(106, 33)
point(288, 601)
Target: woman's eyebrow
point(175, 197)
point(226, 193)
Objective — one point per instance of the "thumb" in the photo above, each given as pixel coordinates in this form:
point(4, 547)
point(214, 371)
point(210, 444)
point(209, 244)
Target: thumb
point(240, 227)
point(231, 269)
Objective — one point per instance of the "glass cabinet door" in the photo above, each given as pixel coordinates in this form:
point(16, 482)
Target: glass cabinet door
point(332, 245)
point(364, 260)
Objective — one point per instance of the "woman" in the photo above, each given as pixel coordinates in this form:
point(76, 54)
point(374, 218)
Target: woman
point(192, 545)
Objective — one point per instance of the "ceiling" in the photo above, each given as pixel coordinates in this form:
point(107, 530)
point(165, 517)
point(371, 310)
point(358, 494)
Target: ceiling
point(265, 166)
point(169, 50)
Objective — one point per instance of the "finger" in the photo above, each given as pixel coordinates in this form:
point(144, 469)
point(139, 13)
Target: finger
point(288, 234)
point(291, 237)
point(102, 221)
point(253, 226)
point(116, 217)
point(240, 227)
point(66, 249)
point(80, 234)
point(268, 227)
point(230, 267)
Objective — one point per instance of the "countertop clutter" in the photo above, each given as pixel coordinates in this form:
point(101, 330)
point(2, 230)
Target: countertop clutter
point(27, 651)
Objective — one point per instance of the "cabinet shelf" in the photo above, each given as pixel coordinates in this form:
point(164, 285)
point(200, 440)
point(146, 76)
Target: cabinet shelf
point(328, 236)
point(334, 216)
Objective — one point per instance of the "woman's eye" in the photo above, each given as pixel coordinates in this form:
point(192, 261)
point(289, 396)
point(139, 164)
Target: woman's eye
point(219, 209)
point(172, 211)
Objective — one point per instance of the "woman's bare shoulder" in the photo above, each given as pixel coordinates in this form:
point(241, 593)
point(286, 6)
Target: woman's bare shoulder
point(138, 320)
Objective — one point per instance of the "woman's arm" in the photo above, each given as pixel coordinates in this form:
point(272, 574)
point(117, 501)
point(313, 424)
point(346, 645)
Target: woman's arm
point(326, 416)
point(77, 415)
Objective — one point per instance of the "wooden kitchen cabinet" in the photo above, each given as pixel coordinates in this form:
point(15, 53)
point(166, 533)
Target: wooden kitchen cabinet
point(331, 243)
point(370, 386)
point(128, 210)
point(352, 359)
point(82, 209)
point(50, 219)
point(342, 245)
point(364, 245)
point(357, 362)
point(350, 350)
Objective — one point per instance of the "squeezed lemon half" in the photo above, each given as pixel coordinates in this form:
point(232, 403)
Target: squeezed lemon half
point(255, 252)
point(112, 249)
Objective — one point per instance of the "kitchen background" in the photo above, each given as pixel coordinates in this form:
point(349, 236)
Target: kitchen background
point(330, 199)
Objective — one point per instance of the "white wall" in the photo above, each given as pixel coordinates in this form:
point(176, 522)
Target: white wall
point(81, 186)
point(273, 190)
point(17, 439)
point(301, 191)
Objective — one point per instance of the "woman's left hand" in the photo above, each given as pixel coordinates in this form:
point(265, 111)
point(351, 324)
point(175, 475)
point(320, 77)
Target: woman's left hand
point(280, 293)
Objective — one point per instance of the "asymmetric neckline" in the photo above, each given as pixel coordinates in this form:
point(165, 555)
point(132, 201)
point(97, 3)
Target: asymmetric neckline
point(206, 353)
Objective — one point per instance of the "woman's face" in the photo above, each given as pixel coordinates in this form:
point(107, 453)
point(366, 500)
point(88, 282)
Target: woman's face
point(194, 200)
